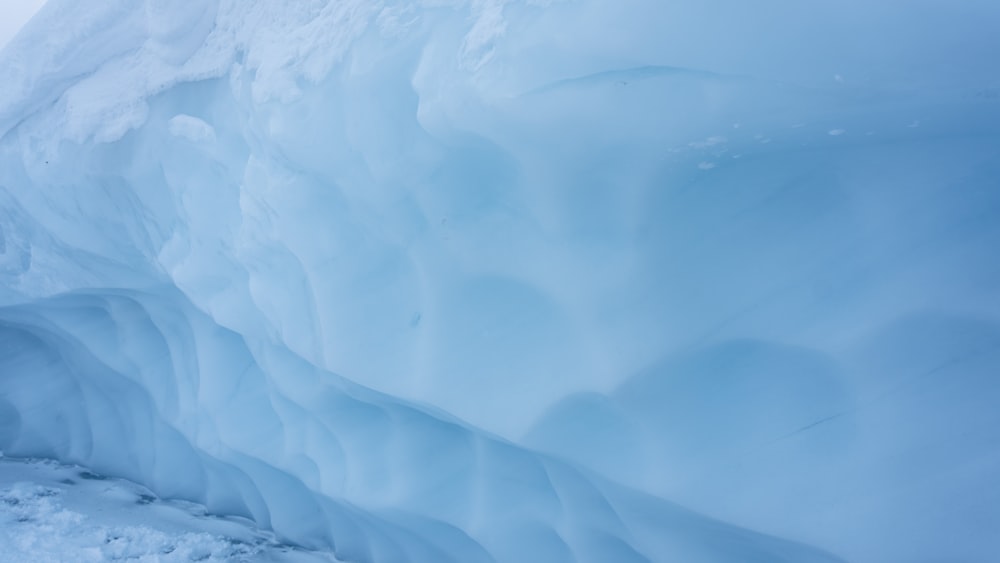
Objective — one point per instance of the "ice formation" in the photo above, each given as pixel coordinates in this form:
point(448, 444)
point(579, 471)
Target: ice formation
point(516, 280)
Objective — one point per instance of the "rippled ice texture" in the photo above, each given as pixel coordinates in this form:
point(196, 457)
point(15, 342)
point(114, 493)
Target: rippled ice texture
point(516, 280)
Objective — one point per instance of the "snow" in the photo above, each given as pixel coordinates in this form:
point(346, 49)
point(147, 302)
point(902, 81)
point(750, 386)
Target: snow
point(55, 513)
point(506, 280)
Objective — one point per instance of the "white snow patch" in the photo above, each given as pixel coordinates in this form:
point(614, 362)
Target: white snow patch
point(57, 513)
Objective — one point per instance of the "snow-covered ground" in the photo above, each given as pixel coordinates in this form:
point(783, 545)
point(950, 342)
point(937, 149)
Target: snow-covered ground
point(57, 513)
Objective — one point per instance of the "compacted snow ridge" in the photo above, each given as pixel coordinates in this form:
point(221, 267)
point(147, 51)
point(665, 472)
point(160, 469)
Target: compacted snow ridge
point(505, 281)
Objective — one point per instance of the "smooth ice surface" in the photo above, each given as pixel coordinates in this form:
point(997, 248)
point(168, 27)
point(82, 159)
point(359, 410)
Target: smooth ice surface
point(516, 280)
point(15, 16)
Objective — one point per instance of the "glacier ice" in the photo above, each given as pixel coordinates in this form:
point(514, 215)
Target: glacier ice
point(515, 280)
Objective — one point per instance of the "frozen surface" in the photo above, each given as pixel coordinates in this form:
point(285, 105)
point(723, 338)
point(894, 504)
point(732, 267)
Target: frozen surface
point(51, 513)
point(516, 280)
point(15, 16)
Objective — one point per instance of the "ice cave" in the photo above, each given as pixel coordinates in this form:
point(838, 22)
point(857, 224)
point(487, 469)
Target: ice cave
point(512, 281)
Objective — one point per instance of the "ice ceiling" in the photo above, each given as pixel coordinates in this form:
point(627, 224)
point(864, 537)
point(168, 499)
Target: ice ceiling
point(516, 280)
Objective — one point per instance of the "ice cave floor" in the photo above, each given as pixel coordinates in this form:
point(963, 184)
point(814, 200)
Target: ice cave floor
point(53, 513)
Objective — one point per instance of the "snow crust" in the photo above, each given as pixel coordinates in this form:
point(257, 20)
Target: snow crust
point(57, 513)
point(509, 280)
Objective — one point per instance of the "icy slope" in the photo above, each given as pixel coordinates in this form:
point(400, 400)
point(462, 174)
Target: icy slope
point(515, 280)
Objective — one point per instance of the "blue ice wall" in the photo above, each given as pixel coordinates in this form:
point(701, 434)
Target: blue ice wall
point(513, 280)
